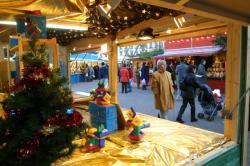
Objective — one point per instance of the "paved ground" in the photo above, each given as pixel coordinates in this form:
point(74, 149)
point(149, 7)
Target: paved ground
point(143, 101)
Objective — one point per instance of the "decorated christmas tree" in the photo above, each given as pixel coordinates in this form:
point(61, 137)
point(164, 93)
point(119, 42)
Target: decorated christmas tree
point(39, 123)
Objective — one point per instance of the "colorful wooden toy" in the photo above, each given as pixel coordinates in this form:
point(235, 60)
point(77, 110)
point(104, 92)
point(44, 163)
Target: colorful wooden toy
point(95, 139)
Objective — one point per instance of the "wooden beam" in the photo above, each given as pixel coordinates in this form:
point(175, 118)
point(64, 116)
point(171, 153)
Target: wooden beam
point(142, 25)
point(182, 2)
point(232, 79)
point(55, 55)
point(20, 56)
point(68, 66)
point(83, 43)
point(113, 70)
point(81, 50)
point(8, 66)
point(178, 34)
point(201, 10)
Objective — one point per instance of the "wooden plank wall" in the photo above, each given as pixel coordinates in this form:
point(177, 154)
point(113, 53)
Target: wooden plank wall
point(232, 79)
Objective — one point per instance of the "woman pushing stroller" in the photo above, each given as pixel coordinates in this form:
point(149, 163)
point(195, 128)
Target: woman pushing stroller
point(188, 92)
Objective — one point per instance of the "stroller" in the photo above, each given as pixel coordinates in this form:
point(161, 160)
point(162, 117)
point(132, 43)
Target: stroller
point(210, 102)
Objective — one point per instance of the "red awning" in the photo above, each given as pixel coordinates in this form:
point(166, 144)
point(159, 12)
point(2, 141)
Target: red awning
point(194, 51)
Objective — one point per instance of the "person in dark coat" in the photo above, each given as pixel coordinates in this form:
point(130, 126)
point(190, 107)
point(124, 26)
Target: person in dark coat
point(170, 69)
point(188, 95)
point(96, 69)
point(103, 74)
point(181, 73)
point(201, 71)
point(145, 75)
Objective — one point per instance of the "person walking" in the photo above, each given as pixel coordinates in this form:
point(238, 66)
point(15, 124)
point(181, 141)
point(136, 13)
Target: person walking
point(181, 72)
point(162, 87)
point(103, 74)
point(188, 94)
point(144, 76)
point(96, 70)
point(170, 69)
point(131, 74)
point(91, 73)
point(124, 74)
point(201, 71)
point(138, 75)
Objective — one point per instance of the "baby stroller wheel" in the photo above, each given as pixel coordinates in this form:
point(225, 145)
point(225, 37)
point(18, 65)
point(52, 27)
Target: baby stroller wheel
point(210, 118)
point(200, 115)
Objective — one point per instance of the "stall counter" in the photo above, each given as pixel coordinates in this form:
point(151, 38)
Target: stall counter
point(165, 143)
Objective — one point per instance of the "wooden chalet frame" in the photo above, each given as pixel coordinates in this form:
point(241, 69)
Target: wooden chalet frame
point(237, 69)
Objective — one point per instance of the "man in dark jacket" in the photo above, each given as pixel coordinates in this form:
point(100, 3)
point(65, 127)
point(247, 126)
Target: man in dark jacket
point(181, 71)
point(103, 74)
point(145, 74)
point(188, 94)
point(201, 71)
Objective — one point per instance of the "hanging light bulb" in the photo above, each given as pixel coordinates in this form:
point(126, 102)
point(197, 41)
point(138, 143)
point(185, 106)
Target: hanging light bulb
point(169, 31)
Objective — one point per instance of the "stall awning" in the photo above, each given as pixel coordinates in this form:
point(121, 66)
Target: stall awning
point(91, 56)
point(194, 51)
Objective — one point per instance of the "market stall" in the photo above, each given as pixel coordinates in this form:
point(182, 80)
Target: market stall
point(79, 63)
point(160, 144)
point(194, 49)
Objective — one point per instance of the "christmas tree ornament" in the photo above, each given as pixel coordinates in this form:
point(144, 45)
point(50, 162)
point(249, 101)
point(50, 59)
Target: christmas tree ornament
point(69, 111)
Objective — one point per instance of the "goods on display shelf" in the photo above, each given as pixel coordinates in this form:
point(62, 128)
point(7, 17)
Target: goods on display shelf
point(217, 70)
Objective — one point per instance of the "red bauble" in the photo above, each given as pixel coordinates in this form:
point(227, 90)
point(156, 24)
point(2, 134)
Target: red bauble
point(28, 148)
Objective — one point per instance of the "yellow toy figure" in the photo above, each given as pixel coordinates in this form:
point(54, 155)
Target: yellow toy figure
point(137, 124)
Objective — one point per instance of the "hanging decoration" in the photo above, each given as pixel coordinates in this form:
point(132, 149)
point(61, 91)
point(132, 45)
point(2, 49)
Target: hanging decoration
point(124, 15)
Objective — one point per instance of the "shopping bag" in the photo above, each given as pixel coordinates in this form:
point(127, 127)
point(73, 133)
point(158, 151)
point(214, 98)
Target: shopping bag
point(130, 82)
point(143, 82)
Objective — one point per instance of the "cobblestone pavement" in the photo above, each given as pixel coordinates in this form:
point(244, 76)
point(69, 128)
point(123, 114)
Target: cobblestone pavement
point(143, 101)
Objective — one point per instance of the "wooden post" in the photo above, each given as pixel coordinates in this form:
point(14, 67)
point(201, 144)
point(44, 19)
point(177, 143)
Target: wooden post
point(113, 70)
point(232, 79)
point(246, 120)
point(8, 66)
point(20, 56)
point(55, 53)
point(68, 65)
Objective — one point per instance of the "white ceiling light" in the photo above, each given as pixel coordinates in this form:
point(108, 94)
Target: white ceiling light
point(2, 22)
point(176, 23)
point(73, 27)
point(49, 25)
